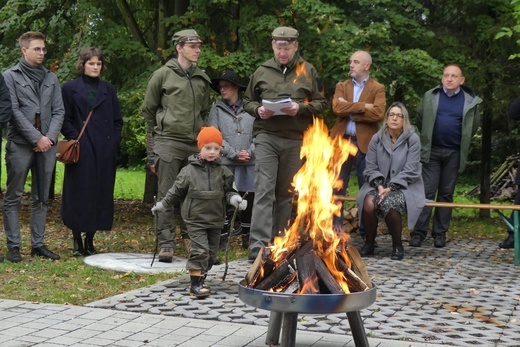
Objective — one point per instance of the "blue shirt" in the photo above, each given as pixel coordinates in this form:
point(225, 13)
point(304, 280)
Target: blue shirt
point(358, 89)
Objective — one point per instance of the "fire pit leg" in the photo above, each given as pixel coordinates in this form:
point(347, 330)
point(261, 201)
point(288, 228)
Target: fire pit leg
point(273, 328)
point(290, 323)
point(358, 329)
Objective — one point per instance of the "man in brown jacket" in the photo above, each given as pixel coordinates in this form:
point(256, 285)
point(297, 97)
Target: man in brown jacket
point(359, 104)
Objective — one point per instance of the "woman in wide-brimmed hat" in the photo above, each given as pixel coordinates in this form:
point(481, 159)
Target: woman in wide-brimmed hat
point(236, 125)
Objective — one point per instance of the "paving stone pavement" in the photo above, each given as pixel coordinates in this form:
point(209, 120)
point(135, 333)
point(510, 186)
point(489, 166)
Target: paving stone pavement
point(466, 294)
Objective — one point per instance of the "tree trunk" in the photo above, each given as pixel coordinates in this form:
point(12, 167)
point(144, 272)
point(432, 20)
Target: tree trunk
point(181, 6)
point(126, 11)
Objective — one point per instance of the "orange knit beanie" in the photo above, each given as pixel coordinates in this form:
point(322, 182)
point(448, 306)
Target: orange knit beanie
point(207, 135)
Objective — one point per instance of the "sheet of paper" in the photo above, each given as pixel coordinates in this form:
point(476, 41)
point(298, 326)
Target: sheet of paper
point(277, 105)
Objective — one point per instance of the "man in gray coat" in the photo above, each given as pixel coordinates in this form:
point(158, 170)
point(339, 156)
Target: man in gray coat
point(447, 117)
point(31, 137)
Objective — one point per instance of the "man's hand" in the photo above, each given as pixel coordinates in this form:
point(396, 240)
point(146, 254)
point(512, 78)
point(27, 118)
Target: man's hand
point(43, 144)
point(369, 107)
point(291, 111)
point(152, 168)
point(341, 99)
point(264, 113)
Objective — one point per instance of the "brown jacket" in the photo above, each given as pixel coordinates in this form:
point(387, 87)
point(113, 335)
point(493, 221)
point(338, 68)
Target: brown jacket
point(366, 122)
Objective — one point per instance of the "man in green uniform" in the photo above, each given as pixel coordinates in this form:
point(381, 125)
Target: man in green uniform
point(176, 102)
point(278, 135)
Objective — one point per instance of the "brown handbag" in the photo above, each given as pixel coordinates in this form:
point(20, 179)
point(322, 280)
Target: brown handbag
point(68, 150)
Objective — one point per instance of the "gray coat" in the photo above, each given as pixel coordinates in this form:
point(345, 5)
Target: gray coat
point(400, 165)
point(26, 103)
point(236, 129)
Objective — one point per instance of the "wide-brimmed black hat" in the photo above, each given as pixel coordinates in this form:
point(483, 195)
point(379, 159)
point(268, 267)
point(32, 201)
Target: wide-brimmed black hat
point(230, 76)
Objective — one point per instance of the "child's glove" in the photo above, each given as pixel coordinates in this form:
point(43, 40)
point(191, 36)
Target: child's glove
point(238, 202)
point(158, 207)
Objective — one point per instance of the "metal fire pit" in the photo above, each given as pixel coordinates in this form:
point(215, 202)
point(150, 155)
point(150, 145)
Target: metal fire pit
point(286, 307)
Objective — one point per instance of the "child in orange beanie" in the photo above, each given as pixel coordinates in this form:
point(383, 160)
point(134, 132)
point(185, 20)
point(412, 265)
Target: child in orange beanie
point(203, 187)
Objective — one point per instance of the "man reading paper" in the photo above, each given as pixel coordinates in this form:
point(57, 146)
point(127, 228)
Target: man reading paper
point(278, 139)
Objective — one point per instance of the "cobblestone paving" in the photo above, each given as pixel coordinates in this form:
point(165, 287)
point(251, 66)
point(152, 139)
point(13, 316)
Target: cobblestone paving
point(466, 294)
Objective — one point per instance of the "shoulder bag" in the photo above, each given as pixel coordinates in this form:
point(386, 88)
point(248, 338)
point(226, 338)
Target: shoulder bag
point(68, 150)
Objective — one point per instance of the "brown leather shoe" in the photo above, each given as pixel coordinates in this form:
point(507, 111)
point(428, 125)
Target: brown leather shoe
point(166, 255)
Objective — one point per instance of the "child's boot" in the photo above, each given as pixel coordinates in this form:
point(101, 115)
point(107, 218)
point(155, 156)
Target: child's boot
point(196, 288)
point(204, 274)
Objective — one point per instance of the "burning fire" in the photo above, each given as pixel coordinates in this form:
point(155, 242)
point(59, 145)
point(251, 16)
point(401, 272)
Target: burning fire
point(315, 182)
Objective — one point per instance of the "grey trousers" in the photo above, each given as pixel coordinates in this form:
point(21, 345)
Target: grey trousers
point(440, 177)
point(19, 159)
point(173, 157)
point(277, 161)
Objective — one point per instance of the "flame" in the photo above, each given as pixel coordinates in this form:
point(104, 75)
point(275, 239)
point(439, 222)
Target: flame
point(300, 71)
point(315, 183)
point(308, 286)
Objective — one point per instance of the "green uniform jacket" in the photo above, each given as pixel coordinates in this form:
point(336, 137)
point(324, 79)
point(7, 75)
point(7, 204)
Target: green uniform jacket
point(270, 83)
point(175, 106)
point(203, 188)
point(427, 113)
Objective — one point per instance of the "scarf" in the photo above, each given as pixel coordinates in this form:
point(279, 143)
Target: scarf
point(92, 86)
point(35, 74)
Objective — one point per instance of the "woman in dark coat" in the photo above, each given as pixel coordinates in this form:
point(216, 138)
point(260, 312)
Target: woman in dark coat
point(88, 187)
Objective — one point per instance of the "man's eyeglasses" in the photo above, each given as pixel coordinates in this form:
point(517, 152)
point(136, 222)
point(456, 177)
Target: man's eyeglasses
point(40, 50)
point(398, 115)
point(224, 86)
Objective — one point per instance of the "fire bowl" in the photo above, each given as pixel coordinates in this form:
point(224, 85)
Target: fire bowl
point(306, 303)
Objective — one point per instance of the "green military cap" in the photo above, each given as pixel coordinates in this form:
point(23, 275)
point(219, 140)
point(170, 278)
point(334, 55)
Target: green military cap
point(285, 34)
point(186, 36)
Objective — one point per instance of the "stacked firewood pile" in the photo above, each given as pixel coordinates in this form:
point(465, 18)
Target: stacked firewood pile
point(302, 270)
point(502, 181)
point(351, 221)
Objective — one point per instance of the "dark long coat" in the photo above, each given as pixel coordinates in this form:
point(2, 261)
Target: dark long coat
point(88, 187)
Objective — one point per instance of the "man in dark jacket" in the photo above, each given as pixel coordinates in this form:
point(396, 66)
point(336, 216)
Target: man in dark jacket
point(175, 106)
point(278, 137)
point(33, 131)
point(447, 117)
point(5, 114)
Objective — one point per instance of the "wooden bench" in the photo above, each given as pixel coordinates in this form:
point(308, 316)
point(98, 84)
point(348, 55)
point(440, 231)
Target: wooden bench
point(511, 222)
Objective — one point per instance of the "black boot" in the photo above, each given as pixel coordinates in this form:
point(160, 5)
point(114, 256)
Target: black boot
point(508, 243)
point(204, 275)
point(245, 240)
point(197, 289)
point(89, 245)
point(78, 249)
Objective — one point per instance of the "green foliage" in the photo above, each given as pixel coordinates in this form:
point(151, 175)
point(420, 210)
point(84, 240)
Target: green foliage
point(409, 41)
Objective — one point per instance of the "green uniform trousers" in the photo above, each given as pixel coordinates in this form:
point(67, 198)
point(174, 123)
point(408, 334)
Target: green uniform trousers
point(277, 161)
